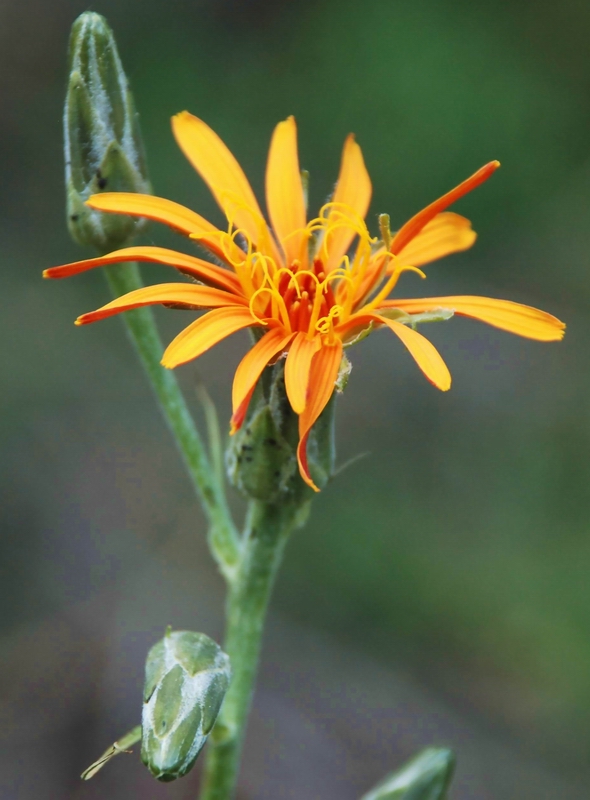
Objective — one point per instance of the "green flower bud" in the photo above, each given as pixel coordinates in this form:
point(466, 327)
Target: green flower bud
point(186, 678)
point(261, 458)
point(425, 777)
point(260, 462)
point(102, 142)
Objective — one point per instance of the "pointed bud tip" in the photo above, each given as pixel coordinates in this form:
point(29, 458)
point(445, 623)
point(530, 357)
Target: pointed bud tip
point(425, 777)
point(90, 19)
point(102, 143)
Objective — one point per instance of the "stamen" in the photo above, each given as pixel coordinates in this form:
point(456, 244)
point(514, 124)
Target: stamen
point(332, 217)
point(304, 316)
point(369, 279)
point(276, 297)
point(292, 277)
point(325, 325)
point(294, 314)
point(303, 250)
point(390, 284)
point(231, 203)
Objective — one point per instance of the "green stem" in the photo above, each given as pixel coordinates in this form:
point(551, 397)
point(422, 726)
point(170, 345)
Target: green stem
point(141, 327)
point(267, 528)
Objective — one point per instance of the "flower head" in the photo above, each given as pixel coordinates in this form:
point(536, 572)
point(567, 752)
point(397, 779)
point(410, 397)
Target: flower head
point(297, 281)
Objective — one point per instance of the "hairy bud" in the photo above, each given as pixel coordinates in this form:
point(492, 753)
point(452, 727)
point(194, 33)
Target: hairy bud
point(102, 141)
point(186, 678)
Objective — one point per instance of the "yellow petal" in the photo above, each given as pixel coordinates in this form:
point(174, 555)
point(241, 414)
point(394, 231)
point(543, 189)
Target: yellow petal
point(284, 192)
point(223, 175)
point(205, 332)
point(353, 189)
point(424, 353)
point(297, 369)
point(188, 265)
point(177, 294)
point(414, 225)
point(513, 317)
point(322, 378)
point(447, 233)
point(250, 370)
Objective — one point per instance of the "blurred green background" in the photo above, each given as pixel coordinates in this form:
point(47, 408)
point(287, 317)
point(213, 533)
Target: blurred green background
point(440, 592)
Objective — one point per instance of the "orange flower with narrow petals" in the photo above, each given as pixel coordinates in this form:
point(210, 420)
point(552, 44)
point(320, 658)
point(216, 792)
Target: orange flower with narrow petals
point(299, 281)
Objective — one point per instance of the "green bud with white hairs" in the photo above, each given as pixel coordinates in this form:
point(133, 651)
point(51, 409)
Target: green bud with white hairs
point(425, 777)
point(186, 678)
point(261, 458)
point(102, 141)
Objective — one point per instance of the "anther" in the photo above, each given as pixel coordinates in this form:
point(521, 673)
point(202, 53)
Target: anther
point(294, 315)
point(318, 266)
point(284, 283)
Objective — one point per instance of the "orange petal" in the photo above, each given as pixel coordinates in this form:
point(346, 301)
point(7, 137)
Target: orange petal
point(284, 192)
point(250, 370)
point(424, 353)
point(189, 265)
point(223, 175)
point(159, 209)
point(513, 317)
point(205, 332)
point(414, 225)
point(146, 205)
point(355, 325)
point(323, 374)
point(297, 369)
point(188, 296)
point(445, 234)
point(353, 189)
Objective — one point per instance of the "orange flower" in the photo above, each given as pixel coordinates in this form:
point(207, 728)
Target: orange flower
point(299, 281)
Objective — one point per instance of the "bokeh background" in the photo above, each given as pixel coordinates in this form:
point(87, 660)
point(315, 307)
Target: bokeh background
point(440, 592)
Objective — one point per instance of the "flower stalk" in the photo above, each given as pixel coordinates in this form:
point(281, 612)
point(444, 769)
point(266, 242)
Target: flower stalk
point(267, 529)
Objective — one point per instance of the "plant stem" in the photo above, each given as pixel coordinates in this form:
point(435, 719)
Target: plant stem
point(141, 327)
point(267, 528)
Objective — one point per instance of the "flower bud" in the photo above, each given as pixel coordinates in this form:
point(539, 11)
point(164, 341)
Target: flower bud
point(102, 142)
point(425, 777)
point(186, 678)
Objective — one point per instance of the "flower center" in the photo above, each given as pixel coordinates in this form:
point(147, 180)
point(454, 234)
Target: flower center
point(325, 285)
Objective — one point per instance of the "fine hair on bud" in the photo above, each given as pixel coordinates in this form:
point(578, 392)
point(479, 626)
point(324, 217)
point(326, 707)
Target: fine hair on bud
point(102, 142)
point(186, 677)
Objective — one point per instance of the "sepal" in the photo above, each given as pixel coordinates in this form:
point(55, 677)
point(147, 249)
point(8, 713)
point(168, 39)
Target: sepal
point(425, 777)
point(261, 458)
